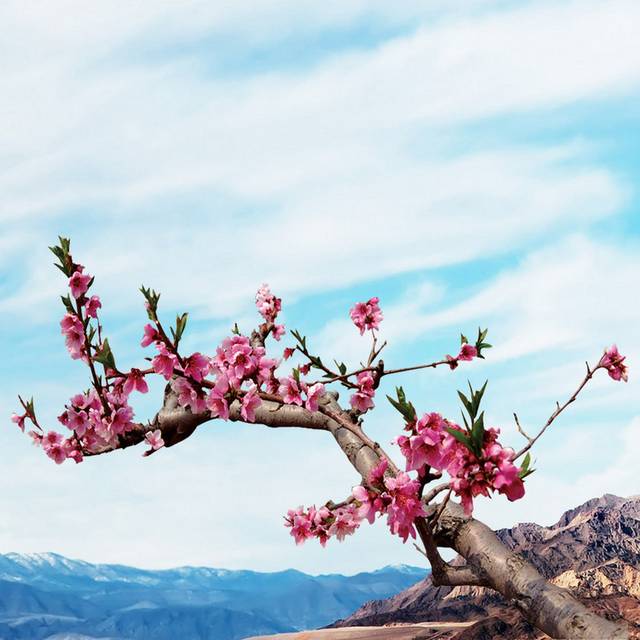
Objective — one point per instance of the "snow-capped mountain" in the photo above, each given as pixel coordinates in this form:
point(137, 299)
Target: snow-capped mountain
point(48, 596)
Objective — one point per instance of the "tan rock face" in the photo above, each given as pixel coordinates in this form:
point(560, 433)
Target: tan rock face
point(593, 550)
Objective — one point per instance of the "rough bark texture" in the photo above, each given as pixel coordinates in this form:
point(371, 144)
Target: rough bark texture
point(550, 608)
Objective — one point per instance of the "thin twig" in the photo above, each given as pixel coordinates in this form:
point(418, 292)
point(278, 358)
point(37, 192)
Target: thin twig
point(520, 429)
point(558, 410)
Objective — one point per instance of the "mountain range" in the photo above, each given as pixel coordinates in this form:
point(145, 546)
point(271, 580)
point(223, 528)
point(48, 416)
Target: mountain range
point(47, 596)
point(593, 550)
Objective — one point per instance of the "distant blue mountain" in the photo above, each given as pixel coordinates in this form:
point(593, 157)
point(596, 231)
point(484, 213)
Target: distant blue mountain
point(47, 596)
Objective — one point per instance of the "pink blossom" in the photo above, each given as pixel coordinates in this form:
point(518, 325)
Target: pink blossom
point(362, 400)
point(72, 451)
point(135, 381)
point(278, 331)
point(150, 335)
point(165, 362)
point(405, 505)
point(239, 361)
point(79, 283)
point(266, 370)
point(346, 521)
point(467, 352)
point(188, 396)
point(76, 420)
point(267, 304)
point(92, 305)
point(424, 446)
point(299, 523)
point(19, 420)
point(250, 402)
point(154, 439)
point(290, 391)
point(73, 330)
point(51, 438)
point(121, 419)
point(217, 404)
point(36, 437)
point(288, 352)
point(493, 471)
point(314, 393)
point(613, 362)
point(57, 453)
point(370, 503)
point(53, 445)
point(366, 315)
point(376, 475)
point(197, 366)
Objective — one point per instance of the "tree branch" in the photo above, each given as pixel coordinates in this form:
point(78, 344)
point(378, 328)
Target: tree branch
point(559, 409)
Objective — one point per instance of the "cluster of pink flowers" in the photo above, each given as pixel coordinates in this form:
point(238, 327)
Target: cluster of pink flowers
point(396, 496)
point(71, 325)
point(492, 471)
point(430, 444)
point(613, 362)
point(362, 399)
point(425, 444)
point(268, 307)
point(322, 523)
point(73, 331)
point(57, 447)
point(239, 369)
point(291, 391)
point(366, 315)
point(79, 282)
point(97, 422)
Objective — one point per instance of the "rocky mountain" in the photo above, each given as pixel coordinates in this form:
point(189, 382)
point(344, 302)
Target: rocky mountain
point(593, 550)
point(48, 596)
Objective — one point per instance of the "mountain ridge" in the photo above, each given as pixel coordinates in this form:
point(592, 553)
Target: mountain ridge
point(46, 595)
point(593, 550)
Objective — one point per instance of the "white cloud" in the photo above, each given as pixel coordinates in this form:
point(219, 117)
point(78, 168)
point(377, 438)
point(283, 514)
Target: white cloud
point(325, 155)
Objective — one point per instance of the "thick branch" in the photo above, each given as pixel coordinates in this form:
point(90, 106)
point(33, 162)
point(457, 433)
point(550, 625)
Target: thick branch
point(549, 607)
point(443, 573)
point(177, 423)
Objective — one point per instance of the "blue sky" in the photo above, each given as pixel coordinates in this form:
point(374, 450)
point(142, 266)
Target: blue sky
point(471, 163)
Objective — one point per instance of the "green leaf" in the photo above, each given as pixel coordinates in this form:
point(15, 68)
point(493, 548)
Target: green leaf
point(477, 435)
point(405, 408)
point(463, 339)
point(525, 471)
point(467, 404)
point(181, 323)
point(461, 437)
point(342, 367)
point(105, 356)
point(66, 301)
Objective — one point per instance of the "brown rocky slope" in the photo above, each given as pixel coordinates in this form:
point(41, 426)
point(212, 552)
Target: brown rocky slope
point(593, 550)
